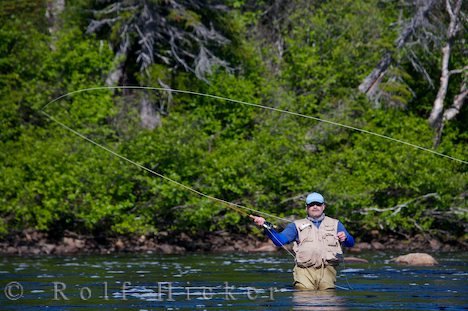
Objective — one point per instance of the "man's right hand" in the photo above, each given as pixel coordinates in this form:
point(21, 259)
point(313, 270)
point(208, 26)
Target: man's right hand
point(259, 221)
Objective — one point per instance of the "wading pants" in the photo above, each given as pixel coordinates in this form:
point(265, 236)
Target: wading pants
point(314, 278)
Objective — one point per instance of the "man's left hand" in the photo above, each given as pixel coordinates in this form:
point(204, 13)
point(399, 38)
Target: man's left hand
point(341, 236)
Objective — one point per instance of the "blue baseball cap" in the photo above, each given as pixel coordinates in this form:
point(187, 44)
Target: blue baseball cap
point(315, 197)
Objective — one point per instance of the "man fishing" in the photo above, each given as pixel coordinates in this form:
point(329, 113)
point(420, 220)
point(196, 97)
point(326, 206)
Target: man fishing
point(317, 244)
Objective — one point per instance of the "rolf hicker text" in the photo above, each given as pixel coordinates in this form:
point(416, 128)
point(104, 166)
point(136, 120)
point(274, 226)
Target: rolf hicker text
point(161, 291)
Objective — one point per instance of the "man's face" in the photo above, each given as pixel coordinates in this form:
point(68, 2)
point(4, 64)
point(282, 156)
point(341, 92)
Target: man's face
point(315, 209)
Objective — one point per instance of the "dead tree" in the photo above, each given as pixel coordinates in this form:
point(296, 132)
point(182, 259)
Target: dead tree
point(428, 29)
point(438, 114)
point(172, 33)
point(370, 84)
point(180, 34)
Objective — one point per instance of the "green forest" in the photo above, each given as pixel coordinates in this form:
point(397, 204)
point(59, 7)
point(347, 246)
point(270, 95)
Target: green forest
point(382, 82)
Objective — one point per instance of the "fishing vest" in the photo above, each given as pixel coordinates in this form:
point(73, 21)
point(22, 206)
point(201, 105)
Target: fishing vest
point(317, 246)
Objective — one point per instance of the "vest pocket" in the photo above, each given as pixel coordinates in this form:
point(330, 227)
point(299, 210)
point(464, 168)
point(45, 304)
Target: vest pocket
point(307, 255)
point(330, 239)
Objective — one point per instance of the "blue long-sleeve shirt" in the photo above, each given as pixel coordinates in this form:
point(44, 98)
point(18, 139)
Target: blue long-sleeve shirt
point(290, 234)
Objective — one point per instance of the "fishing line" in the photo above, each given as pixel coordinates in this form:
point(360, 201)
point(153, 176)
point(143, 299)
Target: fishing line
point(277, 240)
point(263, 107)
point(344, 268)
point(237, 207)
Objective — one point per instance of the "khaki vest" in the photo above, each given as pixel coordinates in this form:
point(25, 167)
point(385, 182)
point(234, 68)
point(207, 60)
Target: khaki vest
point(317, 246)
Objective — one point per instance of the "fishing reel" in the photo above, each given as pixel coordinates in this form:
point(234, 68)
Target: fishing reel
point(268, 225)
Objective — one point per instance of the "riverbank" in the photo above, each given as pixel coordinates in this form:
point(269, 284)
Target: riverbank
point(31, 242)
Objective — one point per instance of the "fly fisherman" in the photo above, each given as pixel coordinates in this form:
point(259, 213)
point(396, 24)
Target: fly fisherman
point(317, 244)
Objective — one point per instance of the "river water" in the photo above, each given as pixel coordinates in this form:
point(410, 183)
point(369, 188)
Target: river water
point(237, 281)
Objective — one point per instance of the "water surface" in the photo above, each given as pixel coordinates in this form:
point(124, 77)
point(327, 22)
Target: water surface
point(225, 282)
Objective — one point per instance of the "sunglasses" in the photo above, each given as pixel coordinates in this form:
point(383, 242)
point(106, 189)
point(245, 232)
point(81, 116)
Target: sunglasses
point(314, 203)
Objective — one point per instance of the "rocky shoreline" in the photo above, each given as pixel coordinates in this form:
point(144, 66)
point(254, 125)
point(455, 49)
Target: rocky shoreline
point(30, 242)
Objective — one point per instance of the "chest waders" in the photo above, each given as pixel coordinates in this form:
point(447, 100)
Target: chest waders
point(317, 252)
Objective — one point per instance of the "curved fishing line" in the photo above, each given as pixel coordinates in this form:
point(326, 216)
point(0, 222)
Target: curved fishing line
point(237, 207)
point(263, 107)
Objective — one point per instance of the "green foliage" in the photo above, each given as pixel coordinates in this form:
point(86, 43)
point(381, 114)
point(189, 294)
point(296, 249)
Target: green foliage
point(53, 180)
point(376, 174)
point(331, 48)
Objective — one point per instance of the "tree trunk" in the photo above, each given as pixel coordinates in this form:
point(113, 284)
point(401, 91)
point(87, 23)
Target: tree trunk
point(438, 107)
point(436, 118)
point(371, 82)
point(114, 77)
point(150, 118)
point(54, 9)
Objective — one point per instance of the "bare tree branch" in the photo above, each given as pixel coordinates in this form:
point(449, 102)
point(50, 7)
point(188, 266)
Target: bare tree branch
point(397, 208)
point(96, 25)
point(458, 102)
point(371, 82)
point(456, 71)
point(173, 32)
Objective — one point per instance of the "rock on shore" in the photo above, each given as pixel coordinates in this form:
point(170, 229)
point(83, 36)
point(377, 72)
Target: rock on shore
point(416, 259)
